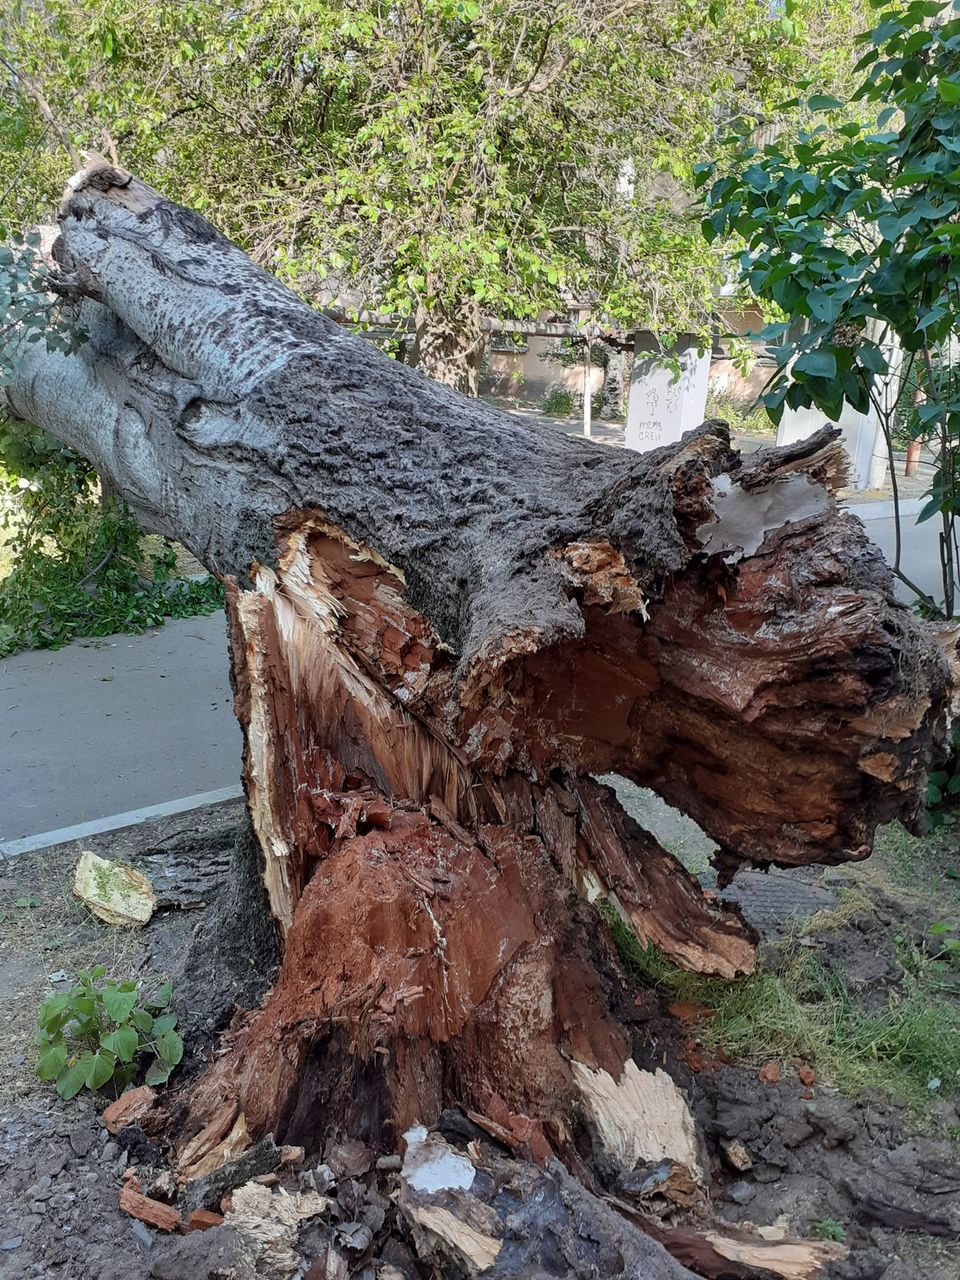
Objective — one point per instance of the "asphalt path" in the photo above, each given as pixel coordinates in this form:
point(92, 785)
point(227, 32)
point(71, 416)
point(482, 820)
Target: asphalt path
point(102, 727)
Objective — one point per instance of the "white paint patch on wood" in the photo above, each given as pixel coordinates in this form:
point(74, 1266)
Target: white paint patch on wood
point(640, 1118)
point(431, 1165)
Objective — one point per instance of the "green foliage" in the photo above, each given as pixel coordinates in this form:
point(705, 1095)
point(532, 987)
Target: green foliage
point(558, 403)
point(949, 946)
point(78, 561)
point(743, 419)
point(849, 229)
point(99, 1030)
point(805, 1010)
point(828, 1229)
point(943, 786)
point(422, 153)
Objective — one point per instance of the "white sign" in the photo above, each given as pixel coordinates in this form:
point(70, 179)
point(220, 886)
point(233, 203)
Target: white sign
point(663, 406)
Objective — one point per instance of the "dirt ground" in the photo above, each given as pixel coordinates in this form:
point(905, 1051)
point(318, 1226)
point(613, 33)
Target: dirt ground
point(881, 1173)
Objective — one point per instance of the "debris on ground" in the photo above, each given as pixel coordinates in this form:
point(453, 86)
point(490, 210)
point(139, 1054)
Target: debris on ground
point(115, 893)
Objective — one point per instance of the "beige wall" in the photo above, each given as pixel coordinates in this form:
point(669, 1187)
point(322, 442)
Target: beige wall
point(524, 376)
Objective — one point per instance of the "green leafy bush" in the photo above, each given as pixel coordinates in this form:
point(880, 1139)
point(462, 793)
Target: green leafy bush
point(99, 1031)
point(749, 419)
point(828, 1229)
point(557, 403)
point(77, 560)
point(75, 555)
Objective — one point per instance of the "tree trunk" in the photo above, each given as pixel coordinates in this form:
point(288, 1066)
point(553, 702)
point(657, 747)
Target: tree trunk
point(445, 621)
point(449, 345)
point(613, 390)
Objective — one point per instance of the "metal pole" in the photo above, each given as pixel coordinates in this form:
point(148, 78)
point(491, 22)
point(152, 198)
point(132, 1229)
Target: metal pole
point(587, 407)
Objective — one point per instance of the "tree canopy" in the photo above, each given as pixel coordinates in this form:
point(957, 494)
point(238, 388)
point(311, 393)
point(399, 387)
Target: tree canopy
point(433, 158)
point(849, 226)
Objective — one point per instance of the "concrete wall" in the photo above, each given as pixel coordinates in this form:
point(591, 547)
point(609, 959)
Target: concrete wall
point(516, 375)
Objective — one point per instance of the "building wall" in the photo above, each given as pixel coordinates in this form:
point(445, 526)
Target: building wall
point(516, 375)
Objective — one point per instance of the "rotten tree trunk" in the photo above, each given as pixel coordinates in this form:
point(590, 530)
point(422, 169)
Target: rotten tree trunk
point(444, 622)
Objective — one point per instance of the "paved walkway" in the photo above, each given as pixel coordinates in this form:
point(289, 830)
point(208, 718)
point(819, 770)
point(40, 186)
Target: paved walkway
point(102, 727)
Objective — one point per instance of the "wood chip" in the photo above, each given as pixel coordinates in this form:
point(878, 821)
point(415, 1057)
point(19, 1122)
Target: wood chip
point(115, 893)
point(736, 1155)
point(128, 1108)
point(203, 1220)
point(154, 1212)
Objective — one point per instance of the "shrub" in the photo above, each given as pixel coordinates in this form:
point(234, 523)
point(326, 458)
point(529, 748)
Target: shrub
point(99, 1031)
point(558, 403)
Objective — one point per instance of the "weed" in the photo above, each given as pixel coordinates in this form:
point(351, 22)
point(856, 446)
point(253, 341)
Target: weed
point(805, 1010)
point(749, 419)
point(828, 1229)
point(97, 1031)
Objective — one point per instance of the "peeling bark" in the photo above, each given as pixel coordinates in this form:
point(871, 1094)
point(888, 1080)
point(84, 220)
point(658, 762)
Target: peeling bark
point(444, 621)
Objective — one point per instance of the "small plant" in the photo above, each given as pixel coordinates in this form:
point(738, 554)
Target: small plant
point(949, 945)
point(828, 1229)
point(745, 419)
point(943, 786)
point(98, 1030)
point(557, 403)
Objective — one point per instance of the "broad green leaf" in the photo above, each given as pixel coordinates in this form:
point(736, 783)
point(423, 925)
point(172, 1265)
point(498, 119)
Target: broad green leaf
point(51, 1062)
point(819, 364)
point(122, 1043)
point(118, 1004)
point(158, 1072)
point(169, 1047)
point(163, 996)
point(100, 1069)
point(71, 1080)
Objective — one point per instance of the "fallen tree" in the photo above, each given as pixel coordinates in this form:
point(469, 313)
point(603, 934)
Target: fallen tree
point(444, 623)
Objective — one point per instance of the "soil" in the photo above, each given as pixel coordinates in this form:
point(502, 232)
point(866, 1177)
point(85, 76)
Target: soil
point(816, 1158)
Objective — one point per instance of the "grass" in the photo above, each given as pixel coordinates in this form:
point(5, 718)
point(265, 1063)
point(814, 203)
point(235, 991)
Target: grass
point(804, 1010)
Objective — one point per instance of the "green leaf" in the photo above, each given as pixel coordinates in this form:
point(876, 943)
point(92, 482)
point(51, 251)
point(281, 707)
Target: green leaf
point(819, 364)
point(163, 996)
point(823, 102)
point(71, 1080)
point(169, 1046)
point(932, 508)
point(142, 1020)
point(122, 1043)
point(118, 1004)
point(948, 90)
point(51, 1062)
point(157, 1073)
point(100, 1069)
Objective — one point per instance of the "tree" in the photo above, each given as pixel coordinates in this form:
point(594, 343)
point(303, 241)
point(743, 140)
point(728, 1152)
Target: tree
point(438, 159)
point(852, 229)
point(444, 623)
